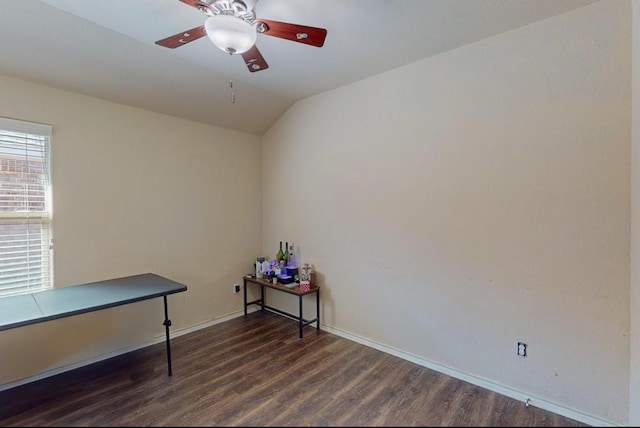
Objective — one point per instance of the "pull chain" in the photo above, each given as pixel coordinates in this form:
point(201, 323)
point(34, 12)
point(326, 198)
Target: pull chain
point(233, 93)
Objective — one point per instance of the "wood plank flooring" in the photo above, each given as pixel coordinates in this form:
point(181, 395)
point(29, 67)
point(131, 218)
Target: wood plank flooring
point(255, 371)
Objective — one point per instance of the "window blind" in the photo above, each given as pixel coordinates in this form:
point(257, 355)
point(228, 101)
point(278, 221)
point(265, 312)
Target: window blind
point(25, 207)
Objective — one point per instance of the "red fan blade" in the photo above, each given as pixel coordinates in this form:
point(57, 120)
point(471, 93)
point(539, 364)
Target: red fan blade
point(182, 38)
point(254, 60)
point(313, 36)
point(192, 3)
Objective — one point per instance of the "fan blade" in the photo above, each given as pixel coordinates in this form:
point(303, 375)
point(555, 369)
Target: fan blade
point(313, 36)
point(254, 60)
point(183, 38)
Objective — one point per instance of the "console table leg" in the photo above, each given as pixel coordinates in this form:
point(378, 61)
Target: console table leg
point(245, 297)
point(167, 324)
point(300, 320)
point(318, 309)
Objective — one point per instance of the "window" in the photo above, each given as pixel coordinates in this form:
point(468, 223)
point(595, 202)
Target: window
point(25, 208)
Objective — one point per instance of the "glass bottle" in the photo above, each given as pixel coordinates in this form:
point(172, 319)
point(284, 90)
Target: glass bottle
point(280, 254)
point(292, 256)
point(285, 257)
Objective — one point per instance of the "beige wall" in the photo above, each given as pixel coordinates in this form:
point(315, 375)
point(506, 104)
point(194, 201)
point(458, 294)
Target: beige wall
point(458, 205)
point(452, 207)
point(135, 192)
point(634, 366)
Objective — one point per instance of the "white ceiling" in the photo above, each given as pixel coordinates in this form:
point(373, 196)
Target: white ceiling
point(106, 49)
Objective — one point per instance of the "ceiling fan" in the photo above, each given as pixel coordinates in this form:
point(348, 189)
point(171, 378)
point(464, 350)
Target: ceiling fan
point(232, 26)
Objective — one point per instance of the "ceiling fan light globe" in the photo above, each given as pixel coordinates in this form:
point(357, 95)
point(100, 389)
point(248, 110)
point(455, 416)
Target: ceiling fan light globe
point(230, 34)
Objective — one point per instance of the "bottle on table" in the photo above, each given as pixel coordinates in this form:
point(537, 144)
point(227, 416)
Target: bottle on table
point(285, 257)
point(292, 257)
point(280, 253)
point(259, 267)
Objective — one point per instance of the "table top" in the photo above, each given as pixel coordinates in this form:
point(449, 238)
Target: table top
point(25, 309)
point(293, 290)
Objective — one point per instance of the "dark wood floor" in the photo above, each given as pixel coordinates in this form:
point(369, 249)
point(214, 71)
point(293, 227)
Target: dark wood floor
point(255, 371)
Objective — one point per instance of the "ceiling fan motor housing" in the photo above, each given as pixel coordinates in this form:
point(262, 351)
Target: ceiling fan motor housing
point(235, 8)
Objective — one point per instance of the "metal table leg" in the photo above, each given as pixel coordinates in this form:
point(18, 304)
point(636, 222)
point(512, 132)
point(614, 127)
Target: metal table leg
point(300, 320)
point(167, 324)
point(245, 297)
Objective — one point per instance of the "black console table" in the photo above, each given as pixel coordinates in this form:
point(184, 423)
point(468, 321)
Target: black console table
point(295, 290)
point(25, 309)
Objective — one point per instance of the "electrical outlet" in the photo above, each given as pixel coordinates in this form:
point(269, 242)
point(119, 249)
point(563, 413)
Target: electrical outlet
point(522, 349)
point(236, 288)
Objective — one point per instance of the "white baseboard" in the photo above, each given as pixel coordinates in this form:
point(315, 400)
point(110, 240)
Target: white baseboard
point(527, 399)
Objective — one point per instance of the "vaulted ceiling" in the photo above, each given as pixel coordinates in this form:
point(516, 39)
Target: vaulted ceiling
point(107, 49)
